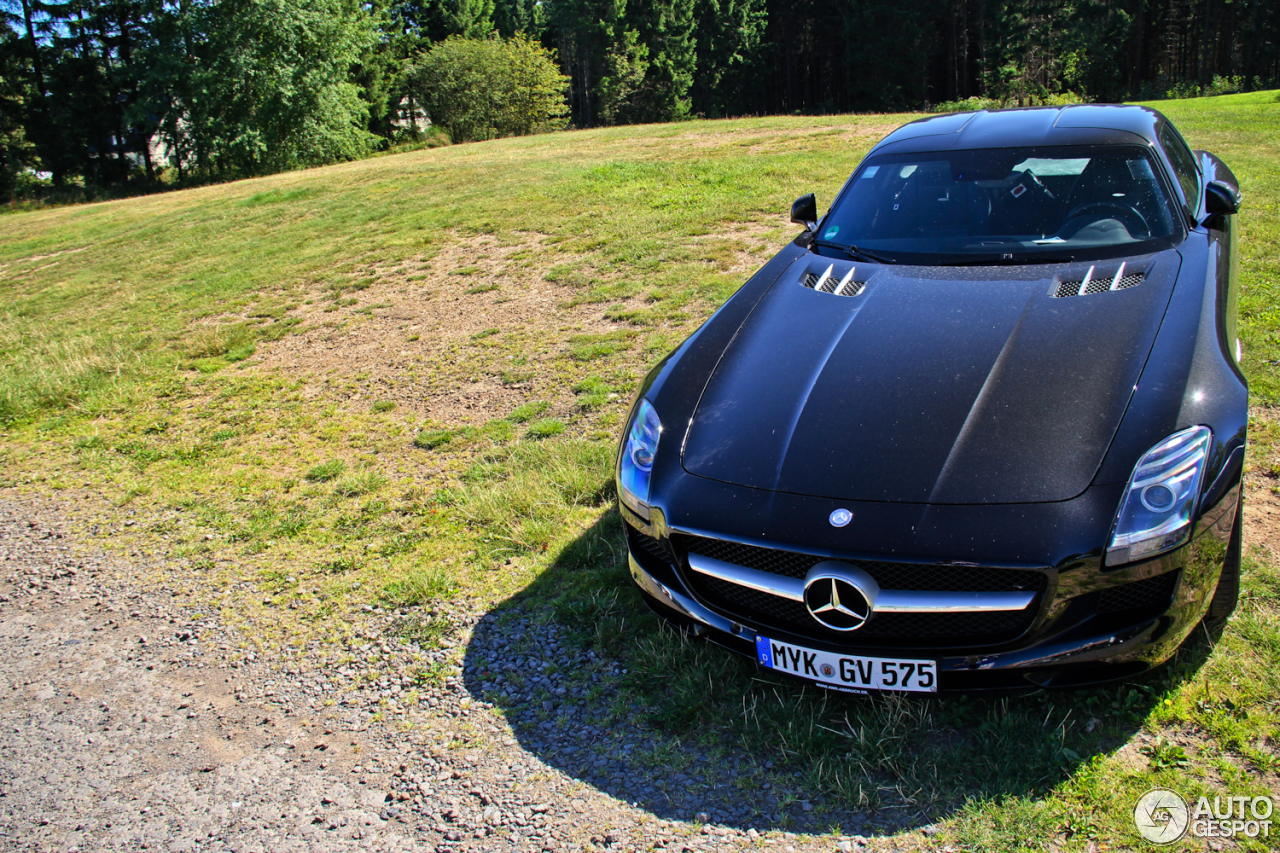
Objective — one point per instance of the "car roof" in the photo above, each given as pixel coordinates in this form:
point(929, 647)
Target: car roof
point(1080, 124)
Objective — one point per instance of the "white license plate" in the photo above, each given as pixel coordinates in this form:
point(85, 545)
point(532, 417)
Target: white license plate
point(848, 672)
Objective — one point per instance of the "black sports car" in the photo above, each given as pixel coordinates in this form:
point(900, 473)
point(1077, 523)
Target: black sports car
point(980, 426)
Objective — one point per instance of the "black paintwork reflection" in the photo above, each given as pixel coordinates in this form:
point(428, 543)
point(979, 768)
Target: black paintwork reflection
point(967, 414)
point(941, 387)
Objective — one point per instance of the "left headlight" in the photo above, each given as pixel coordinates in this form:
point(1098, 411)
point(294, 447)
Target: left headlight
point(1159, 503)
point(635, 467)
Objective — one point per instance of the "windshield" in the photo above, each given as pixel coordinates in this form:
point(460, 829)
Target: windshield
point(1012, 204)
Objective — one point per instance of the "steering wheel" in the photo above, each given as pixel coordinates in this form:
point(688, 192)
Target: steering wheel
point(1127, 214)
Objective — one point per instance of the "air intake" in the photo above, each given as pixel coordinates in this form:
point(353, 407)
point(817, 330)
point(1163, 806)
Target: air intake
point(1096, 282)
point(827, 283)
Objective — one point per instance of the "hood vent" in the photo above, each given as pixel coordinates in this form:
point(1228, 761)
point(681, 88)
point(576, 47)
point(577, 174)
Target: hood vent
point(1097, 281)
point(828, 283)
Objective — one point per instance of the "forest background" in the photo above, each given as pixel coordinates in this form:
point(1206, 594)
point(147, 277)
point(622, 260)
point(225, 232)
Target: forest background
point(111, 97)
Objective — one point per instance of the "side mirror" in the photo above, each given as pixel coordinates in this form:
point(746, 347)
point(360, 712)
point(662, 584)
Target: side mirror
point(1220, 198)
point(804, 211)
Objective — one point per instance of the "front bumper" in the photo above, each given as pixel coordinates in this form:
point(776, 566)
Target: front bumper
point(1069, 643)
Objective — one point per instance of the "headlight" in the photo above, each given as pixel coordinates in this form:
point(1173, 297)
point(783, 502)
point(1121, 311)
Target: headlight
point(1158, 505)
point(635, 468)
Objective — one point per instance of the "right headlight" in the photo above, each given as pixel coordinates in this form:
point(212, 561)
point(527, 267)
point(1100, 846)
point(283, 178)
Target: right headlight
point(635, 467)
point(1160, 501)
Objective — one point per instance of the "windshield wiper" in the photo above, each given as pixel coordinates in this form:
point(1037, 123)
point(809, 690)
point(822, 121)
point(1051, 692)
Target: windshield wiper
point(1006, 260)
point(856, 253)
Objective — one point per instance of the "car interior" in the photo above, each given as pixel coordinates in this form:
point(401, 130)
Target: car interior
point(1103, 199)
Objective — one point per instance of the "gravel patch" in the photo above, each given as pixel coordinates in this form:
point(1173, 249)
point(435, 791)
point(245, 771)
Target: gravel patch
point(132, 720)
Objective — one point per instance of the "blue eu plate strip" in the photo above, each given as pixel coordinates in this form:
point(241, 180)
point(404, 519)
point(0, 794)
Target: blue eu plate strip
point(763, 651)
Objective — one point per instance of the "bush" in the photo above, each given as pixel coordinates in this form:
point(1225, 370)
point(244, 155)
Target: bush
point(1053, 99)
point(487, 88)
point(1218, 86)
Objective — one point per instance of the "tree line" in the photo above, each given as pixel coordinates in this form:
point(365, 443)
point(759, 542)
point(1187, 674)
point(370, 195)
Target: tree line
point(110, 93)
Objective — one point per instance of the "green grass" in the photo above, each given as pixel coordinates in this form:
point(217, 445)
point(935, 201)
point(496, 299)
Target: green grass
point(356, 485)
point(326, 471)
point(136, 340)
point(545, 428)
point(528, 411)
point(1241, 129)
point(433, 438)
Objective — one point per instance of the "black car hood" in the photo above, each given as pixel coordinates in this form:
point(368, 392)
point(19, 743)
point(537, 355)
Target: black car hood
point(935, 385)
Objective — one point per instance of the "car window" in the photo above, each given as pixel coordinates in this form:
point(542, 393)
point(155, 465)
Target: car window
point(1044, 166)
point(921, 208)
point(1184, 165)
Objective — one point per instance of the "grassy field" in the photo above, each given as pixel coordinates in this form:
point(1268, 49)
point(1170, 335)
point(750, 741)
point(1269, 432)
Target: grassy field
point(395, 381)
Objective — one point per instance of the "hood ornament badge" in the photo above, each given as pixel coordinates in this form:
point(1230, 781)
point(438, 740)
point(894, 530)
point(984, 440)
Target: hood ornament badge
point(840, 517)
point(837, 604)
point(840, 596)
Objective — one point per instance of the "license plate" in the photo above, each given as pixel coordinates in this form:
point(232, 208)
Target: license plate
point(848, 672)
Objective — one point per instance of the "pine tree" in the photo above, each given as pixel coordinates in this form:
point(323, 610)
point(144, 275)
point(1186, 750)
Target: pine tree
point(667, 28)
point(729, 35)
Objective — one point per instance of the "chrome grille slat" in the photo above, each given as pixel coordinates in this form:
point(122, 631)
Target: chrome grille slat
point(888, 574)
point(930, 628)
point(888, 600)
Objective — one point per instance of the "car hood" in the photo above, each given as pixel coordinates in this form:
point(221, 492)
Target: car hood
point(935, 385)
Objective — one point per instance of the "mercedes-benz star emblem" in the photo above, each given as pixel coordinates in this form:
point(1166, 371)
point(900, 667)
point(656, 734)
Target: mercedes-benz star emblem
point(840, 517)
point(836, 603)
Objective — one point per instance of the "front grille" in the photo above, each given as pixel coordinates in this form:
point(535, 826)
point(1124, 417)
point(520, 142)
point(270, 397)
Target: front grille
point(641, 543)
point(888, 575)
point(1150, 594)
point(899, 629)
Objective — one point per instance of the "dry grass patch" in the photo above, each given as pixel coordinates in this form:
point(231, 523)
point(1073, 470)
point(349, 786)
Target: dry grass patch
point(472, 332)
point(432, 334)
point(1262, 520)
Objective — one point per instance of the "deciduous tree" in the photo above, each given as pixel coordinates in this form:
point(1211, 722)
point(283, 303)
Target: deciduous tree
point(486, 88)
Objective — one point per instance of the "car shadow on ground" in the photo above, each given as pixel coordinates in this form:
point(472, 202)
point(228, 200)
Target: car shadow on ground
point(597, 687)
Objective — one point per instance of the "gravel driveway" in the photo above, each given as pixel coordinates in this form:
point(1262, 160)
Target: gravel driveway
point(133, 721)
